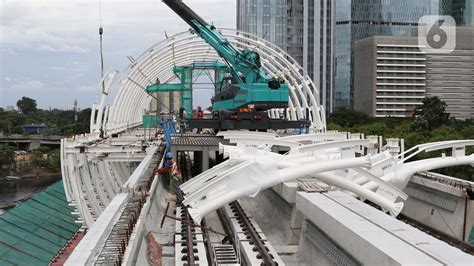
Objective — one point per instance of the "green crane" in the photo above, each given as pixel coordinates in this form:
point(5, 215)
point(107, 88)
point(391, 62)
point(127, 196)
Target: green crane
point(247, 88)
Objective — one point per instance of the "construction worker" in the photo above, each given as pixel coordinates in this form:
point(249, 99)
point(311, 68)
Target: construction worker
point(171, 175)
point(200, 115)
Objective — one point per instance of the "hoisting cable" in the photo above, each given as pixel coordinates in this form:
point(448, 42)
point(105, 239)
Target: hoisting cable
point(101, 32)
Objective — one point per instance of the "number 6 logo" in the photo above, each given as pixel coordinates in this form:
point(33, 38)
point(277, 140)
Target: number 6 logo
point(437, 34)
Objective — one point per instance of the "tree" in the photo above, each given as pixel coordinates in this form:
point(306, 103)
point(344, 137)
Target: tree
point(375, 128)
point(334, 126)
point(54, 161)
point(432, 112)
point(7, 154)
point(26, 105)
point(348, 118)
point(444, 133)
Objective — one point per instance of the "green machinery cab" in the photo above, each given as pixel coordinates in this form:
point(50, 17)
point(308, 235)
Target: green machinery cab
point(229, 95)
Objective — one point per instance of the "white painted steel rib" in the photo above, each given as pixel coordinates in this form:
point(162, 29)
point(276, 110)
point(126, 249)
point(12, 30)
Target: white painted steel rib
point(316, 137)
point(157, 62)
point(404, 172)
point(394, 208)
point(256, 175)
point(390, 164)
point(215, 180)
point(330, 145)
point(253, 140)
point(112, 187)
point(233, 133)
point(134, 179)
point(203, 177)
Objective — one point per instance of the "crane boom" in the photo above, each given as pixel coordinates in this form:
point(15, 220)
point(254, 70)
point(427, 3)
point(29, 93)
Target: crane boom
point(246, 62)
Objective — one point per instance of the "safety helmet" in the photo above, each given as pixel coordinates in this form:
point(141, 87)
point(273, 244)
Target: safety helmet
point(169, 155)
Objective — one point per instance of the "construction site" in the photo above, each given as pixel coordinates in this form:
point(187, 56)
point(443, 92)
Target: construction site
point(261, 181)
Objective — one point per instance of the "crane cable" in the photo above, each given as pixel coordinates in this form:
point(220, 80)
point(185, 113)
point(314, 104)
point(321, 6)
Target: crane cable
point(101, 32)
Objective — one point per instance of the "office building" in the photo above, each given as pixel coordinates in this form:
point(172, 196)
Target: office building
point(359, 19)
point(295, 29)
point(461, 10)
point(264, 18)
point(451, 76)
point(389, 76)
point(318, 47)
point(392, 75)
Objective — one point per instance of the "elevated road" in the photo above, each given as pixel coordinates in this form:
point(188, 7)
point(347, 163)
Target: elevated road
point(30, 142)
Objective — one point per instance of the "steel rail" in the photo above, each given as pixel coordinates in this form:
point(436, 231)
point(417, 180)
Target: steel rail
point(258, 242)
point(189, 240)
point(208, 244)
point(462, 245)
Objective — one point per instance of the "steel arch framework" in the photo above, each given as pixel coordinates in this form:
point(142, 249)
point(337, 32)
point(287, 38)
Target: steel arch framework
point(184, 48)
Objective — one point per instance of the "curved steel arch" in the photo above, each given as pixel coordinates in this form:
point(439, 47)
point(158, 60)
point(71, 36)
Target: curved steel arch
point(184, 48)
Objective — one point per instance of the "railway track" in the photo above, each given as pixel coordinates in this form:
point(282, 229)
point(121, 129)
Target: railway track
point(243, 241)
point(466, 247)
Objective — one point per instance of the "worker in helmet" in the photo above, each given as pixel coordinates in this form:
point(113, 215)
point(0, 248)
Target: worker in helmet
point(200, 115)
point(171, 175)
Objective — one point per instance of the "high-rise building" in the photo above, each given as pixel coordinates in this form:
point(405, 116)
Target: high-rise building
point(318, 44)
point(393, 75)
point(308, 31)
point(450, 76)
point(295, 30)
point(264, 18)
point(359, 19)
point(389, 77)
point(461, 10)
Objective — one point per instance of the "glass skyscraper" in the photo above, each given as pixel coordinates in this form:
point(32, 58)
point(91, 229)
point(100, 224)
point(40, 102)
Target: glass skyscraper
point(359, 19)
point(264, 18)
point(305, 29)
point(460, 10)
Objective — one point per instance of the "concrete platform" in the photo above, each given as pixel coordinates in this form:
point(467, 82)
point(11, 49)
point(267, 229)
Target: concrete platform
point(371, 236)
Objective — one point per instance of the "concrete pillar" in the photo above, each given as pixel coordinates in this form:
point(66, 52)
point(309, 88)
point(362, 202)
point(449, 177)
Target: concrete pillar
point(35, 144)
point(197, 163)
point(205, 159)
point(174, 151)
point(293, 232)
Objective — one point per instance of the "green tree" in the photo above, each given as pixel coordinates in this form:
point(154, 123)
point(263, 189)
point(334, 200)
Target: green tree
point(334, 126)
point(375, 128)
point(7, 154)
point(348, 118)
point(26, 105)
point(432, 113)
point(54, 161)
point(467, 132)
point(413, 139)
point(444, 133)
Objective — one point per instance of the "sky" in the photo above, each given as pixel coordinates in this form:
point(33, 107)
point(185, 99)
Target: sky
point(49, 50)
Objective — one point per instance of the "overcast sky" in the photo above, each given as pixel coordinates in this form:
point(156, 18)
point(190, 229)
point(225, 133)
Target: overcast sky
point(50, 49)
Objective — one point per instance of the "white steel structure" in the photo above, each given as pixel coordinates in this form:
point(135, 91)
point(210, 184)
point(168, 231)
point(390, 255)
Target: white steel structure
point(183, 49)
point(109, 174)
point(253, 167)
point(93, 176)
